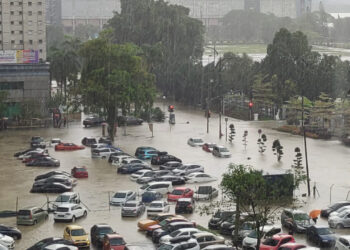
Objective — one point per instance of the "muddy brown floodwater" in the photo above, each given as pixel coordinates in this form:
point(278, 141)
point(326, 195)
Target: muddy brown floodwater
point(329, 163)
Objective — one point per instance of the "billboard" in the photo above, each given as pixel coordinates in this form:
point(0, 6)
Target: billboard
point(19, 56)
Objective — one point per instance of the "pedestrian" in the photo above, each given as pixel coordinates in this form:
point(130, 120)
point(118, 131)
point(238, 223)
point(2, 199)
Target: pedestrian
point(290, 231)
point(64, 121)
point(315, 219)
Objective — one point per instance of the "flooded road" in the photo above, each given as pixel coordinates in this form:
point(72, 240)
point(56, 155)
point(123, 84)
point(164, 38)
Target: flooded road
point(329, 164)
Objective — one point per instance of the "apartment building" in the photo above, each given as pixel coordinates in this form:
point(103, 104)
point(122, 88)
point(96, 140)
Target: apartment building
point(22, 27)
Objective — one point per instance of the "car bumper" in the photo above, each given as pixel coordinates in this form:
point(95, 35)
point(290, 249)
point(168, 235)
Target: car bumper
point(154, 212)
point(25, 222)
point(327, 244)
point(62, 218)
point(129, 214)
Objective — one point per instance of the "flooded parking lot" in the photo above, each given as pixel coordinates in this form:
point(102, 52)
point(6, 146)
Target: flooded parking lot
point(329, 163)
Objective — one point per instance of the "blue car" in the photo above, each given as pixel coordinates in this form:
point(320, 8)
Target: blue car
point(149, 196)
point(147, 154)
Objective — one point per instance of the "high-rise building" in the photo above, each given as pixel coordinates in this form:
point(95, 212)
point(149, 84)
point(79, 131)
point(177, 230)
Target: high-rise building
point(286, 8)
point(22, 26)
point(53, 12)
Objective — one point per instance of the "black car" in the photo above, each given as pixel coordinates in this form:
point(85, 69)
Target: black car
point(105, 140)
point(171, 227)
point(54, 187)
point(175, 180)
point(98, 232)
point(93, 121)
point(44, 162)
point(184, 205)
point(227, 227)
point(132, 168)
point(170, 165)
point(22, 152)
point(331, 208)
point(40, 245)
point(161, 159)
point(52, 173)
point(320, 235)
point(10, 231)
point(128, 120)
point(37, 142)
point(219, 217)
point(88, 141)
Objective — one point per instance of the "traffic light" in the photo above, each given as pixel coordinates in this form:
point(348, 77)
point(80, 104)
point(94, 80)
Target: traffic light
point(208, 114)
point(171, 108)
point(250, 104)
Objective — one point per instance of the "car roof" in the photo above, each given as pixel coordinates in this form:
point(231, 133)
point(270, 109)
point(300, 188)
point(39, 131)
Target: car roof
point(124, 191)
point(132, 202)
point(29, 208)
point(295, 211)
point(161, 202)
point(113, 236)
point(281, 236)
point(347, 237)
point(292, 244)
point(320, 226)
point(185, 199)
point(188, 229)
point(68, 193)
point(102, 225)
point(72, 227)
point(160, 182)
point(180, 188)
point(196, 235)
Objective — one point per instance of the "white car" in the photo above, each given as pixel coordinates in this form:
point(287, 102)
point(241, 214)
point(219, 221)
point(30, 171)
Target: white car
point(177, 233)
point(199, 177)
point(157, 207)
point(340, 221)
point(120, 197)
point(180, 243)
point(130, 160)
point(103, 153)
point(251, 239)
point(55, 141)
point(186, 169)
point(221, 151)
point(338, 211)
point(342, 242)
point(195, 142)
point(118, 159)
point(138, 174)
point(162, 187)
point(60, 246)
point(7, 241)
point(69, 212)
point(205, 193)
point(219, 247)
point(66, 198)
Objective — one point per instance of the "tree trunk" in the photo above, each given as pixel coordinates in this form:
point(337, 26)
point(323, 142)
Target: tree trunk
point(112, 113)
point(237, 223)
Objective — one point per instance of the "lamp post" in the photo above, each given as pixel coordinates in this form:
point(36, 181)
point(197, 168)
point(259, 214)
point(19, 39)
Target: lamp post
point(226, 120)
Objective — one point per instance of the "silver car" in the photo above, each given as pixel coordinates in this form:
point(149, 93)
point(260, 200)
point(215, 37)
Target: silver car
point(133, 208)
point(340, 221)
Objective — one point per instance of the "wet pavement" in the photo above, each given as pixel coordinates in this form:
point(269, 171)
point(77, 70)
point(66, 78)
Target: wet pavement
point(329, 164)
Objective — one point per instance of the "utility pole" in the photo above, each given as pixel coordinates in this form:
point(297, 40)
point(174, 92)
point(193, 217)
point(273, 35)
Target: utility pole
point(305, 147)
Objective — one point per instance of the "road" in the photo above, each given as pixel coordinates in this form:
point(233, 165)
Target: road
point(328, 160)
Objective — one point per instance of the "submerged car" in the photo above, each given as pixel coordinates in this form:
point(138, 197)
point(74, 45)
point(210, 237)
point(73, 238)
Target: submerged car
point(320, 235)
point(98, 232)
point(52, 173)
point(133, 208)
point(195, 142)
point(114, 242)
point(128, 121)
point(219, 217)
point(180, 192)
point(199, 177)
point(161, 159)
point(54, 187)
point(10, 231)
point(221, 151)
point(68, 147)
point(80, 172)
point(77, 235)
point(205, 193)
point(93, 121)
point(157, 207)
point(47, 242)
point(276, 241)
point(120, 197)
point(295, 220)
point(149, 196)
point(208, 147)
point(333, 207)
point(184, 205)
point(46, 161)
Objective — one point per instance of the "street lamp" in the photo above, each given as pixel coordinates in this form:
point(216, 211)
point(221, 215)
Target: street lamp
point(226, 120)
point(208, 104)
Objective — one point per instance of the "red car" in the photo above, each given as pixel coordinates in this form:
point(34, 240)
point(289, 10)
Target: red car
point(67, 147)
point(80, 172)
point(276, 241)
point(291, 246)
point(113, 242)
point(208, 147)
point(180, 192)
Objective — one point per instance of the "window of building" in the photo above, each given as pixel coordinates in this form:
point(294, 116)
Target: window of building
point(20, 41)
point(30, 32)
point(12, 32)
point(30, 41)
point(11, 85)
point(20, 3)
point(29, 3)
point(11, 3)
point(40, 32)
point(20, 12)
point(40, 13)
point(39, 3)
point(20, 23)
point(40, 23)
point(0, 32)
point(12, 12)
point(40, 41)
point(40, 50)
point(12, 22)
point(0, 12)
point(12, 41)
point(30, 13)
point(0, 42)
point(21, 31)
point(30, 22)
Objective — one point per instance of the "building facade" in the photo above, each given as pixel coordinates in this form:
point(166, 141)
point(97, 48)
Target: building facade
point(286, 8)
point(23, 26)
point(53, 12)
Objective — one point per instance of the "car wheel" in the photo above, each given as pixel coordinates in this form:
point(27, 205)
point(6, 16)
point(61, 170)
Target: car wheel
point(73, 219)
point(339, 226)
point(85, 214)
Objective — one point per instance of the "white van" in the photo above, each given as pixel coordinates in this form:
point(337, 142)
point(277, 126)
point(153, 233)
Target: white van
point(66, 198)
point(162, 187)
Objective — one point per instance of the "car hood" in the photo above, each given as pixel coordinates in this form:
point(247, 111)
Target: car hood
point(80, 238)
point(118, 199)
point(6, 239)
point(129, 208)
point(328, 237)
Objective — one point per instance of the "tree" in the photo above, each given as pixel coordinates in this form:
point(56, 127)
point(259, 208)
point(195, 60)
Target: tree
point(245, 139)
point(277, 149)
point(322, 110)
point(298, 169)
point(232, 133)
point(114, 77)
point(253, 194)
point(261, 141)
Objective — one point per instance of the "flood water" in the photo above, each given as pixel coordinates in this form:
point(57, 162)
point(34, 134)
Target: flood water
point(329, 164)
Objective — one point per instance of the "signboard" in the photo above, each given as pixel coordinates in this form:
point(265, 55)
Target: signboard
point(19, 56)
point(8, 56)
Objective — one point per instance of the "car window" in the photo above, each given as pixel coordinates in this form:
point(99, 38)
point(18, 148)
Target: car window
point(344, 241)
point(200, 239)
point(209, 238)
point(285, 240)
point(284, 248)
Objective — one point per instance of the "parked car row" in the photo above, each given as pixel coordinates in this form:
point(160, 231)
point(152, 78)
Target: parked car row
point(216, 150)
point(53, 182)
point(37, 157)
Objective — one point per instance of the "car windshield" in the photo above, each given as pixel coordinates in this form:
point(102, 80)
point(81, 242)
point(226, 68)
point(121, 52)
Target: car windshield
point(165, 247)
point(105, 230)
point(204, 190)
point(62, 209)
point(343, 213)
point(175, 233)
point(117, 242)
point(23, 212)
point(148, 174)
point(182, 167)
point(156, 205)
point(183, 203)
point(223, 150)
point(120, 195)
point(324, 231)
point(148, 195)
point(177, 192)
point(78, 232)
point(62, 198)
point(197, 140)
point(130, 205)
point(301, 216)
point(271, 242)
point(81, 169)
